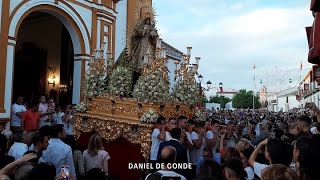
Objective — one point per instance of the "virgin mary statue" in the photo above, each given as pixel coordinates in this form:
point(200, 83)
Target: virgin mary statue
point(143, 41)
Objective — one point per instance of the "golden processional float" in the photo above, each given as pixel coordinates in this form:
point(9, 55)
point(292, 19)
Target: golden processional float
point(124, 98)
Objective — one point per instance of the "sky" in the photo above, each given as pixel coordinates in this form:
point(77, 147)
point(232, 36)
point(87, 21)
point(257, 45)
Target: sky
point(231, 36)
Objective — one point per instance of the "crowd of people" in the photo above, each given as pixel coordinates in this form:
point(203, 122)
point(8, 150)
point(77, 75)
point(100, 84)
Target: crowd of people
point(40, 145)
point(222, 145)
point(239, 145)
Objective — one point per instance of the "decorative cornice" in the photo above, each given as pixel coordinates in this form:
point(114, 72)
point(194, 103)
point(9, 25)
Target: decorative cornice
point(112, 129)
point(172, 52)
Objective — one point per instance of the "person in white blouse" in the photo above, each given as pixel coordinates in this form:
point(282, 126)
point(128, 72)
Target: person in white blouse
point(19, 147)
point(58, 153)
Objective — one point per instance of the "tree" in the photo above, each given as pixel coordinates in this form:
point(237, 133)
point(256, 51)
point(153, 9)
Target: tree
point(222, 100)
point(244, 99)
point(204, 100)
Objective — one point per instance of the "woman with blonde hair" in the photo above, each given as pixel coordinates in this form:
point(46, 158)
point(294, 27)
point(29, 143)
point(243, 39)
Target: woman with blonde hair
point(279, 172)
point(95, 156)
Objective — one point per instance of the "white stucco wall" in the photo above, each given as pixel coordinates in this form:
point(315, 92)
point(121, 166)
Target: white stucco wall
point(171, 67)
point(8, 83)
point(32, 3)
point(315, 98)
point(86, 15)
point(121, 27)
point(292, 103)
point(13, 4)
point(0, 13)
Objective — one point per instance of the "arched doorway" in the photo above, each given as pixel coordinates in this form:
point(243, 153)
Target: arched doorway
point(44, 59)
point(76, 27)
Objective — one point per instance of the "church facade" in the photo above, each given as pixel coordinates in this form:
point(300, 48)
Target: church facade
point(89, 23)
point(65, 33)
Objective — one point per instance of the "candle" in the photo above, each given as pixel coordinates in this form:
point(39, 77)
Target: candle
point(158, 43)
point(198, 59)
point(189, 51)
point(146, 58)
point(164, 52)
point(95, 54)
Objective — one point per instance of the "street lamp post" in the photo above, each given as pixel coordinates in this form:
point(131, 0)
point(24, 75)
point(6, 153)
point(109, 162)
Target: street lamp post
point(202, 89)
point(221, 91)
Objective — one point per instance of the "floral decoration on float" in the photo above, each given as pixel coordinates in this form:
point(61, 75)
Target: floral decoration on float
point(149, 117)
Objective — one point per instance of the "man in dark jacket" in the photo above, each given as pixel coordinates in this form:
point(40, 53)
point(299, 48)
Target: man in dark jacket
point(181, 150)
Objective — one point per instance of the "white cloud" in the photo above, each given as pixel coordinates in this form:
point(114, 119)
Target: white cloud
point(229, 44)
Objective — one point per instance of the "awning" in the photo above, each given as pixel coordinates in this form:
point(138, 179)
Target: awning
point(309, 32)
point(313, 35)
point(315, 5)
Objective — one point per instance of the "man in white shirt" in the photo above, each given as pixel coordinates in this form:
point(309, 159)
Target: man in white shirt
point(276, 152)
point(58, 153)
point(158, 135)
point(210, 141)
point(19, 147)
point(199, 143)
point(168, 156)
point(17, 109)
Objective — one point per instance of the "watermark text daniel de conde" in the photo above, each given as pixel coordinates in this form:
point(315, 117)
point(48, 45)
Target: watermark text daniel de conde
point(144, 166)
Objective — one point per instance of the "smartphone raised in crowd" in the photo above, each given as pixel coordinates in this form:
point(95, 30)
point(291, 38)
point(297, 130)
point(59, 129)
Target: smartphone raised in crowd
point(65, 172)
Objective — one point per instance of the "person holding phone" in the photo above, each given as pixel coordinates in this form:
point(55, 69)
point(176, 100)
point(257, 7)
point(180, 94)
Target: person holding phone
point(58, 153)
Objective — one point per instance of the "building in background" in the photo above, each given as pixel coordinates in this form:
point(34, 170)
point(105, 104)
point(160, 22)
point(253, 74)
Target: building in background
point(284, 100)
point(263, 96)
point(309, 87)
point(46, 45)
point(228, 94)
point(174, 57)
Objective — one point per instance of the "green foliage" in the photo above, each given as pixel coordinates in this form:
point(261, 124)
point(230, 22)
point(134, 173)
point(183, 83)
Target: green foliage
point(244, 99)
point(220, 100)
point(204, 100)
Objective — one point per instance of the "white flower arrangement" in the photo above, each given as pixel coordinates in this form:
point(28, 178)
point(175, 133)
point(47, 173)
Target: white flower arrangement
point(186, 91)
point(151, 88)
point(149, 117)
point(95, 83)
point(120, 82)
point(81, 107)
point(201, 115)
